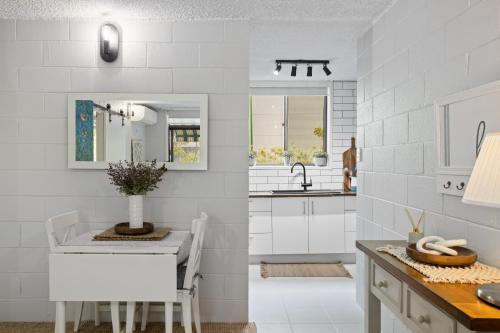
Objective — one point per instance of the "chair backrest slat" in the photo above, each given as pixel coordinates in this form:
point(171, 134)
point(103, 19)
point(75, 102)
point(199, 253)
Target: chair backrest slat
point(193, 265)
point(64, 223)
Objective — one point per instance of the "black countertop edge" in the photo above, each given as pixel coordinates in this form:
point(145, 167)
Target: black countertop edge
point(269, 194)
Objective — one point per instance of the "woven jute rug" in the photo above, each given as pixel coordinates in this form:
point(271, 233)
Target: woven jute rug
point(304, 270)
point(88, 327)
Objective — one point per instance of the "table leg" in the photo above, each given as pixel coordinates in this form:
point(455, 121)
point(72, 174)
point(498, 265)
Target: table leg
point(130, 317)
point(169, 309)
point(115, 316)
point(371, 321)
point(60, 325)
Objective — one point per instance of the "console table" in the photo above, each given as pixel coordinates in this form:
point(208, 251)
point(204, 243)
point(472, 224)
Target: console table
point(424, 307)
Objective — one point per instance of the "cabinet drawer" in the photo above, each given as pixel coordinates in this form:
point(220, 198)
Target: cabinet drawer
point(422, 317)
point(259, 204)
point(350, 203)
point(387, 288)
point(350, 221)
point(260, 244)
point(260, 222)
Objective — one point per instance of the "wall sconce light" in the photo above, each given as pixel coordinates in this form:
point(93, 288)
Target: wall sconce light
point(109, 42)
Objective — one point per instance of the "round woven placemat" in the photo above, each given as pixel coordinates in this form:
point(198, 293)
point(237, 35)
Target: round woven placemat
point(88, 327)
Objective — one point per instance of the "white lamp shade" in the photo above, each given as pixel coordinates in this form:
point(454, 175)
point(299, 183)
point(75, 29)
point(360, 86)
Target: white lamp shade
point(483, 188)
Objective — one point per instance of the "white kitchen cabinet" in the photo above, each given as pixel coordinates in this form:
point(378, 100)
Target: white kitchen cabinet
point(326, 225)
point(260, 222)
point(290, 225)
point(302, 225)
point(260, 244)
point(260, 226)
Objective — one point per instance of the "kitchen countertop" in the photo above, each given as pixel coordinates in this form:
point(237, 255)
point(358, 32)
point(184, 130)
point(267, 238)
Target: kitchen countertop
point(312, 193)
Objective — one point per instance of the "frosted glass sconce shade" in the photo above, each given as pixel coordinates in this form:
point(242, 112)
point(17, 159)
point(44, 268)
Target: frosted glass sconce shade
point(109, 42)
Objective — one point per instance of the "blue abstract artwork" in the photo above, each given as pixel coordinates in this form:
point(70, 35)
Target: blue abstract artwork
point(84, 128)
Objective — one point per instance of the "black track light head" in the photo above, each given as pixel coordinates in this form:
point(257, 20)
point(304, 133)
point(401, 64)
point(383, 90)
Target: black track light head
point(294, 70)
point(326, 70)
point(309, 70)
point(277, 69)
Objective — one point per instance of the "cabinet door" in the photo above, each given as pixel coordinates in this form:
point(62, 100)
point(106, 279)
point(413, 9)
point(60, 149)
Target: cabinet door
point(326, 225)
point(260, 244)
point(289, 218)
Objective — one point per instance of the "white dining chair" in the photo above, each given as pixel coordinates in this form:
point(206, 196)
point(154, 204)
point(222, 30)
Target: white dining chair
point(188, 276)
point(60, 229)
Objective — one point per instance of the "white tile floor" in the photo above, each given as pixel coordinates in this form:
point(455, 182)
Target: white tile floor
point(304, 305)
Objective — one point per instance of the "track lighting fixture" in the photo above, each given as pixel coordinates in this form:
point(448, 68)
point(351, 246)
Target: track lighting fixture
point(277, 69)
point(326, 70)
point(296, 63)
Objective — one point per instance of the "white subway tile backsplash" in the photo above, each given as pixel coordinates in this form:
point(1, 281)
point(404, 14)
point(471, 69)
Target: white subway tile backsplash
point(9, 77)
point(21, 53)
point(11, 235)
point(409, 159)
point(396, 71)
point(224, 55)
point(69, 54)
point(396, 129)
point(7, 29)
point(42, 30)
point(409, 95)
point(421, 125)
point(476, 26)
point(383, 105)
point(49, 79)
point(422, 193)
point(173, 55)
point(197, 80)
point(209, 31)
point(236, 31)
point(146, 31)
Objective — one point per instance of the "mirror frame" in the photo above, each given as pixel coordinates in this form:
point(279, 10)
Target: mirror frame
point(202, 99)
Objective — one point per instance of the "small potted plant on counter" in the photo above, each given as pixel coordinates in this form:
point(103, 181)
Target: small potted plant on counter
point(135, 180)
point(321, 158)
point(287, 158)
point(252, 158)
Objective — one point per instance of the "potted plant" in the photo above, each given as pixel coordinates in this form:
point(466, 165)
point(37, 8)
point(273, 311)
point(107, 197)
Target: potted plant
point(135, 180)
point(252, 158)
point(287, 158)
point(321, 158)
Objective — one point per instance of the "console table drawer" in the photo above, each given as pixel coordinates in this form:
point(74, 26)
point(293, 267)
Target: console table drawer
point(387, 288)
point(423, 317)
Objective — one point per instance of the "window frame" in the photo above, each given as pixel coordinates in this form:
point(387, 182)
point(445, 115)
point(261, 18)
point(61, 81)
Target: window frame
point(285, 123)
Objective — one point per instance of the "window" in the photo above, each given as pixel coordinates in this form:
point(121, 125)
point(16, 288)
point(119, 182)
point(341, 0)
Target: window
point(296, 124)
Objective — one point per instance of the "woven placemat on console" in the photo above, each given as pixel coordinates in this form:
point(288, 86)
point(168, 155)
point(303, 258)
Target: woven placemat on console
point(477, 273)
point(111, 235)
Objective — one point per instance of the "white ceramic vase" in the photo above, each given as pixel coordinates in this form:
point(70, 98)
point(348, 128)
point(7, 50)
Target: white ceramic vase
point(320, 161)
point(135, 209)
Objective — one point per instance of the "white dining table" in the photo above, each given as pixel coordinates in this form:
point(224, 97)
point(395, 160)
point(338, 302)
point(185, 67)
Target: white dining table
point(83, 269)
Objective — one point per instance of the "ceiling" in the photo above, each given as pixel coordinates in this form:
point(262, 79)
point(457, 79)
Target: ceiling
point(318, 29)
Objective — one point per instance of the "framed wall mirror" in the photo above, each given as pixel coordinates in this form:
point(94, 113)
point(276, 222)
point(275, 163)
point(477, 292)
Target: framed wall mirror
point(463, 119)
point(171, 128)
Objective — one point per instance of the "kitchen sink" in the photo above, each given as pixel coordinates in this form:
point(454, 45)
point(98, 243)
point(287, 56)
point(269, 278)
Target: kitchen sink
point(301, 192)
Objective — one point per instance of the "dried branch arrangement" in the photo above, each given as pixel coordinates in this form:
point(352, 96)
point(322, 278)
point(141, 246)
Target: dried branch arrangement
point(135, 178)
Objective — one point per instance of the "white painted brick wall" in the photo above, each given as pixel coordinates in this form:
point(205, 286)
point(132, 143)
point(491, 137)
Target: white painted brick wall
point(50, 59)
point(415, 53)
point(342, 128)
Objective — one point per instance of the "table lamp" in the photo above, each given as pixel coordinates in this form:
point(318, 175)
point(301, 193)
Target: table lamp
point(483, 189)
